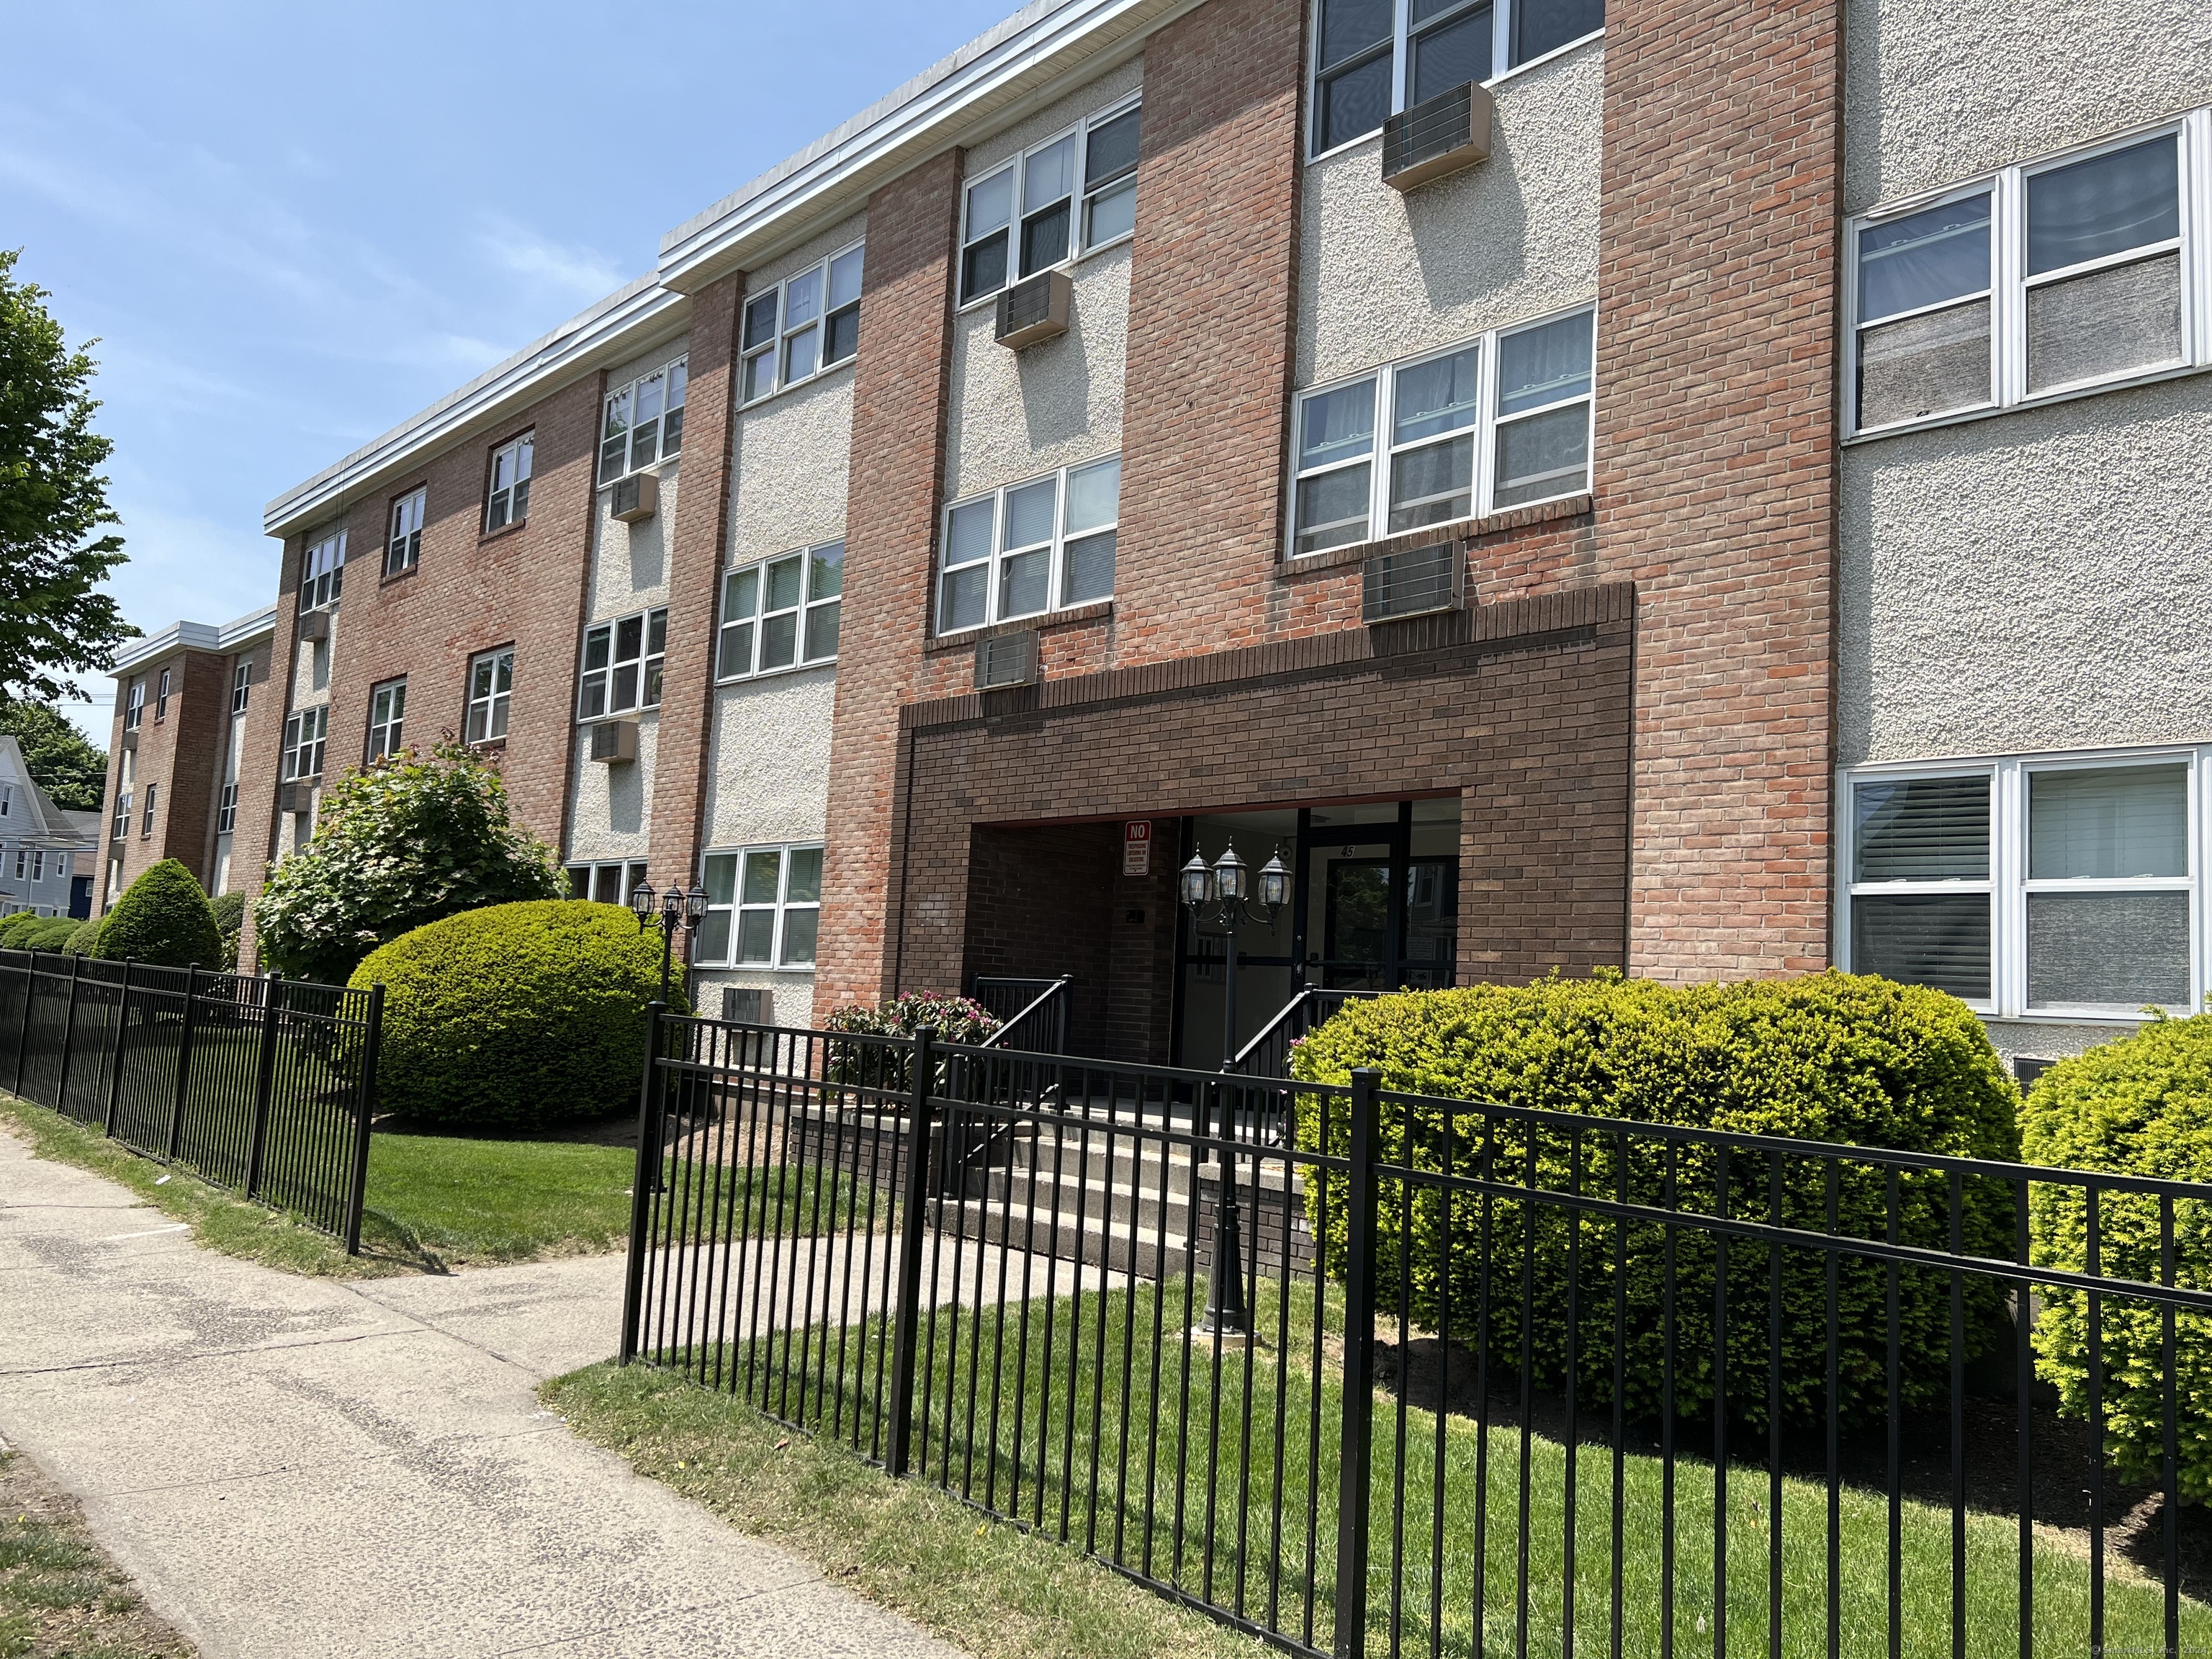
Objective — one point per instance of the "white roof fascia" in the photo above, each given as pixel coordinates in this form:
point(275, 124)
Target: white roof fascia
point(225, 638)
point(953, 98)
point(616, 327)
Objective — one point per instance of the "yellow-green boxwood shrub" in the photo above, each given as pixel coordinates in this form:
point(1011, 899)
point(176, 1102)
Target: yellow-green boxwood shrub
point(2143, 1107)
point(1827, 1057)
point(515, 1015)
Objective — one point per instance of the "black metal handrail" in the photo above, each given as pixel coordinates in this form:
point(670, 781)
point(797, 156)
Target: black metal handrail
point(1268, 1053)
point(1040, 1022)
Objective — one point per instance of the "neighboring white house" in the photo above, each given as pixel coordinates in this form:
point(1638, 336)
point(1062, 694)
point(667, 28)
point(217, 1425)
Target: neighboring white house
point(46, 854)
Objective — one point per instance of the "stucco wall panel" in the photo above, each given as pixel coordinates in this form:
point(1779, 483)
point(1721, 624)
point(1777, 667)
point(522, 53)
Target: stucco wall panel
point(770, 779)
point(794, 458)
point(1994, 598)
point(1385, 276)
point(630, 562)
point(612, 813)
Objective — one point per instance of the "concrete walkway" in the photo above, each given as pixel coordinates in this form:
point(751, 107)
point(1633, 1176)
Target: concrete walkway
point(295, 1468)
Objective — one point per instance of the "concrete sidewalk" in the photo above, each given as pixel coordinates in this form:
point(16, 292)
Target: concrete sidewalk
point(295, 1468)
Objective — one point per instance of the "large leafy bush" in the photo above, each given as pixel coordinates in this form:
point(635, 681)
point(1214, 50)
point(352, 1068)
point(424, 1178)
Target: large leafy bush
point(956, 1018)
point(2140, 1107)
point(516, 1015)
point(407, 841)
point(162, 918)
point(1829, 1057)
point(230, 922)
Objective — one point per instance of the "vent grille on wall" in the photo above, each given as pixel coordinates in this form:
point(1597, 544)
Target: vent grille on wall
point(1035, 310)
point(744, 1004)
point(1435, 137)
point(614, 740)
point(637, 498)
point(1008, 659)
point(1413, 583)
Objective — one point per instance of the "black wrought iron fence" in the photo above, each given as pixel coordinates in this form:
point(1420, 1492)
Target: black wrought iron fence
point(1471, 1379)
point(262, 1085)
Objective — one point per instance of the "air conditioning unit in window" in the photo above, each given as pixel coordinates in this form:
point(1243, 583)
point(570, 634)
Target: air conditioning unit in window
point(1008, 659)
point(130, 737)
point(314, 625)
point(614, 741)
point(1035, 310)
point(298, 796)
point(637, 498)
point(1413, 583)
point(1438, 136)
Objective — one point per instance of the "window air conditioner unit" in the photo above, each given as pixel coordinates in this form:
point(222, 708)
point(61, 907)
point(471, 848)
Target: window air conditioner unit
point(298, 796)
point(614, 741)
point(637, 498)
point(314, 625)
point(1438, 136)
point(1007, 660)
point(1413, 583)
point(1035, 310)
point(130, 737)
point(745, 1005)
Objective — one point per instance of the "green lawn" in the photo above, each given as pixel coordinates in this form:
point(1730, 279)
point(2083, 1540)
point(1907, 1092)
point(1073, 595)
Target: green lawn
point(60, 1596)
point(463, 1201)
point(1208, 1527)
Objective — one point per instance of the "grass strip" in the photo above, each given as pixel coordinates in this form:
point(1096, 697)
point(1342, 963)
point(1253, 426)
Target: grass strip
point(60, 1596)
point(991, 1590)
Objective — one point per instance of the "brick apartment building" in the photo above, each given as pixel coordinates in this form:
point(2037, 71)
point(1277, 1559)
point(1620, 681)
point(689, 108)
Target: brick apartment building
point(1701, 489)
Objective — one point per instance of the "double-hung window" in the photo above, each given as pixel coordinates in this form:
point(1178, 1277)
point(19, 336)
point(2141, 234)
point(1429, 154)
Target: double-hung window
point(1374, 57)
point(644, 422)
point(1501, 421)
point(226, 812)
point(1040, 545)
point(134, 705)
point(1023, 218)
point(304, 736)
point(609, 882)
point(161, 692)
point(120, 825)
point(2064, 888)
point(387, 716)
point(804, 324)
point(38, 864)
point(763, 908)
point(508, 499)
point(322, 570)
point(146, 827)
point(781, 613)
point(403, 542)
point(491, 682)
point(241, 686)
point(621, 665)
point(2042, 281)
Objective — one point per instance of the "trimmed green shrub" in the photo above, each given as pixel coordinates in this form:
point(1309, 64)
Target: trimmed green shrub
point(53, 934)
point(163, 919)
point(516, 1015)
point(80, 942)
point(2141, 1106)
point(409, 840)
point(230, 923)
point(1828, 1057)
point(12, 927)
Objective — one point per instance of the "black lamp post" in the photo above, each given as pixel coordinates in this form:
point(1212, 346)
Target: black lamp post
point(677, 909)
point(1227, 885)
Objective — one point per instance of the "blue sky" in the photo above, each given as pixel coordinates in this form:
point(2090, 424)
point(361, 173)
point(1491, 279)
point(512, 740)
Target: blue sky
point(292, 226)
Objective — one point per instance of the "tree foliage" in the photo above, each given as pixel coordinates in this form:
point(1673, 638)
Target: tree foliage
point(62, 761)
point(409, 841)
point(52, 498)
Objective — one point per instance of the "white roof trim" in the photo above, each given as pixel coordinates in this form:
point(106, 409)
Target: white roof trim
point(224, 637)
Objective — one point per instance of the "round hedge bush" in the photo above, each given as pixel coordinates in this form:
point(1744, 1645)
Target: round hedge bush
point(163, 920)
point(12, 928)
point(516, 1015)
point(2143, 1107)
point(80, 942)
point(1828, 1057)
point(53, 934)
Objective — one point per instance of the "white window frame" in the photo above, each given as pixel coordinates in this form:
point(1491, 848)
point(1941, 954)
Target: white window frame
point(241, 686)
point(402, 530)
point(2007, 188)
point(306, 737)
point(37, 864)
point(388, 718)
point(1487, 421)
point(226, 812)
point(631, 448)
point(649, 662)
point(1080, 244)
point(993, 563)
point(497, 702)
point(2008, 884)
point(782, 909)
point(509, 504)
point(775, 350)
point(590, 870)
point(744, 616)
point(322, 571)
point(134, 704)
point(163, 693)
point(153, 799)
point(1403, 30)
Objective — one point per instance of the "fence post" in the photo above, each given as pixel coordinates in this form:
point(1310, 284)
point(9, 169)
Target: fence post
point(358, 1196)
point(1355, 1445)
point(175, 1136)
point(68, 1034)
point(642, 1186)
point(265, 1084)
point(900, 1451)
point(23, 1028)
point(115, 1057)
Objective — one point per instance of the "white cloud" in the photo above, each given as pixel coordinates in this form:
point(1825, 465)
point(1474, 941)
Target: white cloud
point(583, 273)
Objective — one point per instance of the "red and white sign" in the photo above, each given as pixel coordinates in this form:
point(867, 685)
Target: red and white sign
point(1137, 848)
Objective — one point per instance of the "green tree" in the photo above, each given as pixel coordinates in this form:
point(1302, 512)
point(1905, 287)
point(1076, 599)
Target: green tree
point(409, 841)
point(52, 498)
point(164, 919)
point(62, 761)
